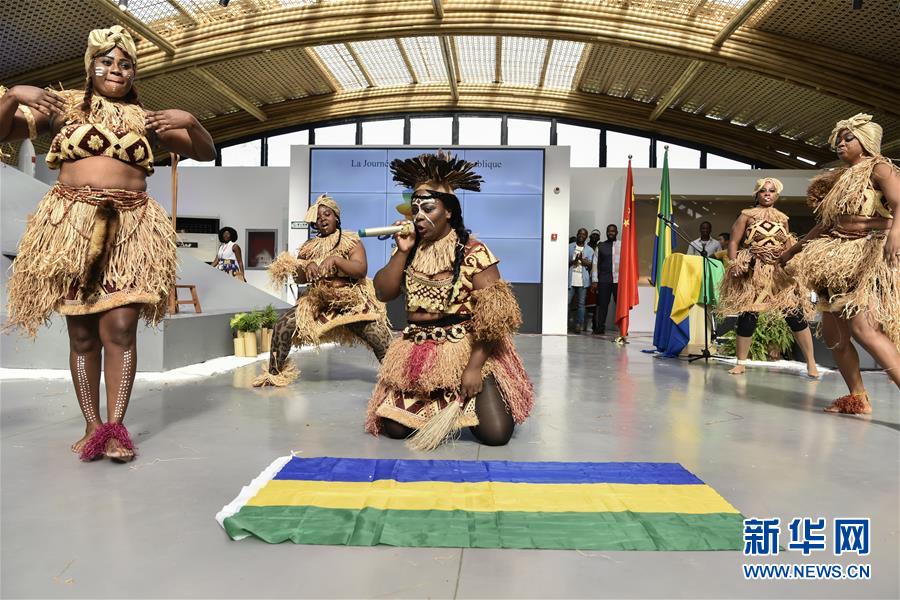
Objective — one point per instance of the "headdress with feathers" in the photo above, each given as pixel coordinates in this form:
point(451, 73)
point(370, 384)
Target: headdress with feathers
point(441, 167)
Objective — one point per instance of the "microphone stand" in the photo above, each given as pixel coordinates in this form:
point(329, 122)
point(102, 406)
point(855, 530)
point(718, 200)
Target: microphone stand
point(705, 354)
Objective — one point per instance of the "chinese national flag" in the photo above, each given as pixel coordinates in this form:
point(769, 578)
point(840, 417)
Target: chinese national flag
point(628, 260)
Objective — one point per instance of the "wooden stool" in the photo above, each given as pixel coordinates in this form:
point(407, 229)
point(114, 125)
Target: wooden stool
point(174, 302)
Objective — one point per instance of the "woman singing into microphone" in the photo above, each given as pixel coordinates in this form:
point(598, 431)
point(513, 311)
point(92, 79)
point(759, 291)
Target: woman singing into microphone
point(455, 365)
point(340, 305)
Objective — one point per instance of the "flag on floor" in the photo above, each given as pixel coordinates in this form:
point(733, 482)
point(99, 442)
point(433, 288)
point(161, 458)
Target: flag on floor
point(664, 241)
point(483, 504)
point(627, 295)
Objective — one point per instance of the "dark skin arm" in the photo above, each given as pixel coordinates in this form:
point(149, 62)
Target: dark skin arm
point(472, 383)
point(180, 132)
point(389, 280)
point(44, 106)
point(737, 234)
point(887, 180)
point(239, 257)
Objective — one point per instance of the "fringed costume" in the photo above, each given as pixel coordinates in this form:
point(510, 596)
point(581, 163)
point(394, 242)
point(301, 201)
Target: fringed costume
point(87, 250)
point(847, 270)
point(420, 378)
point(755, 281)
point(334, 309)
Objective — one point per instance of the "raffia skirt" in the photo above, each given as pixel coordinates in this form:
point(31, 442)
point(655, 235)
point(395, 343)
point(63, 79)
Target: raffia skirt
point(88, 250)
point(323, 312)
point(760, 284)
point(420, 376)
point(850, 276)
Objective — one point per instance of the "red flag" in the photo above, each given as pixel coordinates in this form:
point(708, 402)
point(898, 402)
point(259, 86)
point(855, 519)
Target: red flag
point(627, 297)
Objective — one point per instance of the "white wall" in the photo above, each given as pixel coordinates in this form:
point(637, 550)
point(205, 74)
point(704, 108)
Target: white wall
point(240, 197)
point(557, 199)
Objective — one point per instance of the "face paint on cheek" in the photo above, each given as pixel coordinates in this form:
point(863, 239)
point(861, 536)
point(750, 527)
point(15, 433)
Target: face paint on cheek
point(100, 71)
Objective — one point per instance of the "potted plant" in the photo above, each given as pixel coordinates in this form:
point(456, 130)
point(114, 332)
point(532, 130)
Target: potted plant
point(268, 319)
point(235, 324)
point(772, 339)
point(249, 326)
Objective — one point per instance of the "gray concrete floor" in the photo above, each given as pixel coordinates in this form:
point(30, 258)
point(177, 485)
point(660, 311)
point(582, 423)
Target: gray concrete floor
point(99, 530)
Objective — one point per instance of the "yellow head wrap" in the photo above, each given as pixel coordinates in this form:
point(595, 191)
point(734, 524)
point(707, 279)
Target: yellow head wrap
point(101, 41)
point(861, 125)
point(324, 200)
point(760, 183)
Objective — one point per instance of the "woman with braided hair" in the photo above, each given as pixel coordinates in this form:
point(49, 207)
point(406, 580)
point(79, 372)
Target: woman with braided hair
point(756, 282)
point(851, 258)
point(340, 304)
point(455, 365)
point(98, 249)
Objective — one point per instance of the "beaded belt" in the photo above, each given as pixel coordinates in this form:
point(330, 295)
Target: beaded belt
point(420, 334)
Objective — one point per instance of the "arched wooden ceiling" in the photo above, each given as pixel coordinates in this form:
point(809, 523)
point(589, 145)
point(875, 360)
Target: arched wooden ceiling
point(765, 79)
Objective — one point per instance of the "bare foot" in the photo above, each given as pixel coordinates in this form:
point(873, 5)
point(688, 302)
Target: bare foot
point(812, 371)
point(737, 370)
point(117, 452)
point(88, 432)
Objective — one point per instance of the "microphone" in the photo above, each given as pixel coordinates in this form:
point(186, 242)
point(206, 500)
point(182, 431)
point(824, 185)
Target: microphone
point(669, 221)
point(404, 230)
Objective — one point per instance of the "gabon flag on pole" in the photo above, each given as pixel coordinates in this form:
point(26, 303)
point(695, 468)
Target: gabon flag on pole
point(628, 260)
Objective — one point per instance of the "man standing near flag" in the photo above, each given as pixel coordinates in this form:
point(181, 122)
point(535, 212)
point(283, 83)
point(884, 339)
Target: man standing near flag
point(605, 276)
point(628, 261)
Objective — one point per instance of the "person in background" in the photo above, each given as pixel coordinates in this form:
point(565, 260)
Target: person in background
point(594, 239)
point(724, 238)
point(228, 257)
point(605, 276)
point(590, 298)
point(704, 242)
point(580, 258)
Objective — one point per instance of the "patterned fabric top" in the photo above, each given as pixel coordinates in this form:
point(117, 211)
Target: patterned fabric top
point(424, 294)
point(110, 128)
point(88, 139)
point(767, 227)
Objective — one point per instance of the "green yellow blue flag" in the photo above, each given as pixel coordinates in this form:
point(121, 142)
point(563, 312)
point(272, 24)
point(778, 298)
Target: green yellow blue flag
point(664, 241)
point(483, 504)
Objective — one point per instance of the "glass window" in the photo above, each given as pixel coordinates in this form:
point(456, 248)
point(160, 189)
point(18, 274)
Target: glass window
point(679, 156)
point(479, 131)
point(430, 132)
point(247, 154)
point(280, 147)
point(190, 162)
point(584, 143)
point(383, 132)
point(526, 132)
point(714, 161)
point(620, 145)
point(336, 135)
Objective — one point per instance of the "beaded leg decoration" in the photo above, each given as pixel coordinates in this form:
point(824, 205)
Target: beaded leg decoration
point(85, 370)
point(118, 394)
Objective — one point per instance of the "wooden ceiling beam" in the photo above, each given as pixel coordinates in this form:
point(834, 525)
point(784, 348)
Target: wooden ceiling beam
point(360, 65)
point(737, 20)
point(681, 84)
point(447, 54)
point(546, 64)
point(230, 93)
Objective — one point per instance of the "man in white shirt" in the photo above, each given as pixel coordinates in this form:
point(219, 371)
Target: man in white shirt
point(580, 257)
point(704, 242)
point(605, 276)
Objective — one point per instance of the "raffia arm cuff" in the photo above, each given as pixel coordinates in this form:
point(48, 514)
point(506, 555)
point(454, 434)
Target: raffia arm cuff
point(497, 312)
point(29, 118)
point(285, 268)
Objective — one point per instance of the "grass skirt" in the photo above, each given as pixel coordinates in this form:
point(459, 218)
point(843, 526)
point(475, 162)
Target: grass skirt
point(322, 313)
point(87, 251)
point(754, 285)
point(851, 276)
point(418, 380)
